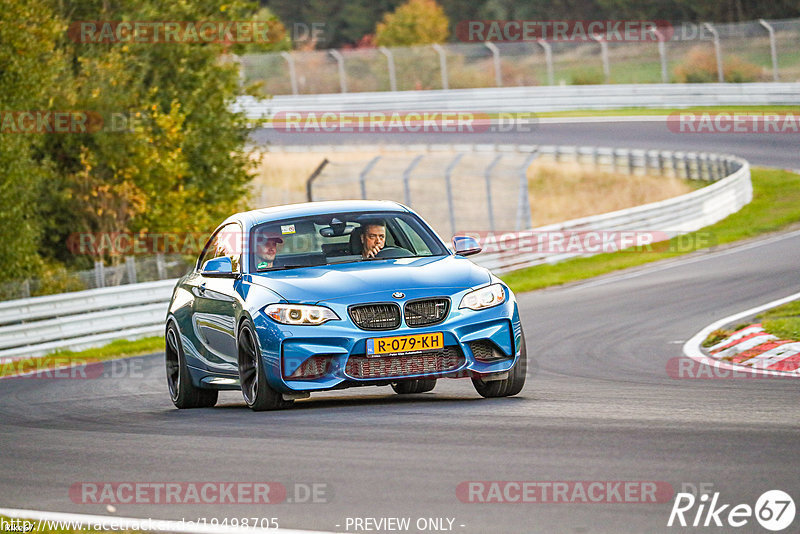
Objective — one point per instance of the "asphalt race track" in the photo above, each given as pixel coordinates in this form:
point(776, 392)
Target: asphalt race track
point(774, 150)
point(599, 405)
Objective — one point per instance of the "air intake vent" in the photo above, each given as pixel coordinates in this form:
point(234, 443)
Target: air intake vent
point(426, 312)
point(486, 351)
point(376, 316)
point(426, 363)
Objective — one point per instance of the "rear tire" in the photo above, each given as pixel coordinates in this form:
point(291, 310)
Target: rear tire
point(406, 387)
point(511, 385)
point(181, 390)
point(256, 391)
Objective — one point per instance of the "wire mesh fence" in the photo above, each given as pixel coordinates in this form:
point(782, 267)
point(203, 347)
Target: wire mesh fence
point(748, 52)
point(130, 270)
point(453, 191)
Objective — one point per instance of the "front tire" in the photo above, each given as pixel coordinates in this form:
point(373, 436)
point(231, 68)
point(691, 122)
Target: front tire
point(181, 390)
point(256, 392)
point(406, 387)
point(511, 385)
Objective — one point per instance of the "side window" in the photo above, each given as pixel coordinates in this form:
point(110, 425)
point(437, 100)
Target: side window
point(226, 242)
point(420, 248)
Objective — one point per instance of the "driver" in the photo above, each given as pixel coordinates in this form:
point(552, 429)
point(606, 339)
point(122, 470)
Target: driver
point(373, 239)
point(266, 249)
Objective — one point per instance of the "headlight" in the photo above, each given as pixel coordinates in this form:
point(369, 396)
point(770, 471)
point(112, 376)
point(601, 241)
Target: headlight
point(485, 297)
point(295, 314)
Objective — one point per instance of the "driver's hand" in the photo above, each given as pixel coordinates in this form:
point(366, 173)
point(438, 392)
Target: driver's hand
point(371, 253)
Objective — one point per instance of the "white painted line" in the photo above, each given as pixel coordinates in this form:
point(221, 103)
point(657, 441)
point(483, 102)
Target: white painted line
point(112, 523)
point(691, 348)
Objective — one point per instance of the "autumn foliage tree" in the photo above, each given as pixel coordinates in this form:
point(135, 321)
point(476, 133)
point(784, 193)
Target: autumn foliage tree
point(417, 22)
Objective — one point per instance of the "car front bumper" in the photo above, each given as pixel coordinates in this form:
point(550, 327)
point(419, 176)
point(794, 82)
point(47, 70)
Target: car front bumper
point(339, 348)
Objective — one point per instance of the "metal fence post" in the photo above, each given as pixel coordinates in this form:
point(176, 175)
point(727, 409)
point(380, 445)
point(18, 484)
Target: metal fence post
point(449, 187)
point(548, 58)
point(772, 49)
point(130, 266)
point(487, 175)
point(310, 181)
point(340, 63)
point(407, 176)
point(99, 274)
point(717, 51)
point(161, 268)
point(292, 73)
point(498, 75)
point(390, 61)
point(662, 54)
point(362, 176)
point(604, 54)
point(442, 64)
point(523, 202)
point(26, 288)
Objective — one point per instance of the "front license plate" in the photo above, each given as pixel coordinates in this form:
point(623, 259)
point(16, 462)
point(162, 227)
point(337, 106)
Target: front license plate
point(391, 346)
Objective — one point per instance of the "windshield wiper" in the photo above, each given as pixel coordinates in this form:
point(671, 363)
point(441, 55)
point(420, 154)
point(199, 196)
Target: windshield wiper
point(287, 267)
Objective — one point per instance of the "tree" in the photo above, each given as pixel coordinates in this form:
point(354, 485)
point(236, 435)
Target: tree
point(416, 22)
point(29, 68)
point(171, 156)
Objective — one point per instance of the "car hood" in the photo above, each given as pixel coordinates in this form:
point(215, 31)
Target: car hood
point(356, 281)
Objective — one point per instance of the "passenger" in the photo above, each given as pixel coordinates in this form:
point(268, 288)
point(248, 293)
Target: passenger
point(266, 249)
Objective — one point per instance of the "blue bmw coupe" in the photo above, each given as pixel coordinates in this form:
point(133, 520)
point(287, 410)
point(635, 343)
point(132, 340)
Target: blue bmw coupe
point(310, 297)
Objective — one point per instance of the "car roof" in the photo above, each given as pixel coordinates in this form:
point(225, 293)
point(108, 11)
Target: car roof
point(248, 219)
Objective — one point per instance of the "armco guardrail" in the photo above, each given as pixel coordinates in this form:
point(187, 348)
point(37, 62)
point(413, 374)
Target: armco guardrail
point(35, 326)
point(532, 99)
point(669, 218)
point(82, 319)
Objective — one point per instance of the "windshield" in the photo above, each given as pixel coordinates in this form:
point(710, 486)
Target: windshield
point(340, 238)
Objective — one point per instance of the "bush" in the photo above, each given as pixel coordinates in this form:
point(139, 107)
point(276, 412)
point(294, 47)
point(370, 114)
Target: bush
point(588, 77)
point(700, 66)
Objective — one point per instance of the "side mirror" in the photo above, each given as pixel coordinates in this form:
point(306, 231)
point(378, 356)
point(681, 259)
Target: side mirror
point(465, 245)
point(221, 266)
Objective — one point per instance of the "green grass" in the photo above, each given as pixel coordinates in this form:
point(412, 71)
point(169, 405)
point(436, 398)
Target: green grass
point(775, 205)
point(783, 321)
point(632, 112)
point(116, 349)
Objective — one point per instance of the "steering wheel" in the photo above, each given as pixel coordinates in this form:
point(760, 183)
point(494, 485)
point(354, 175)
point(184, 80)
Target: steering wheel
point(393, 252)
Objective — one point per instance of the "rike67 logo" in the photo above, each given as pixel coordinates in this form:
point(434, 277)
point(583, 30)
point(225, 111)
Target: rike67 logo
point(774, 510)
